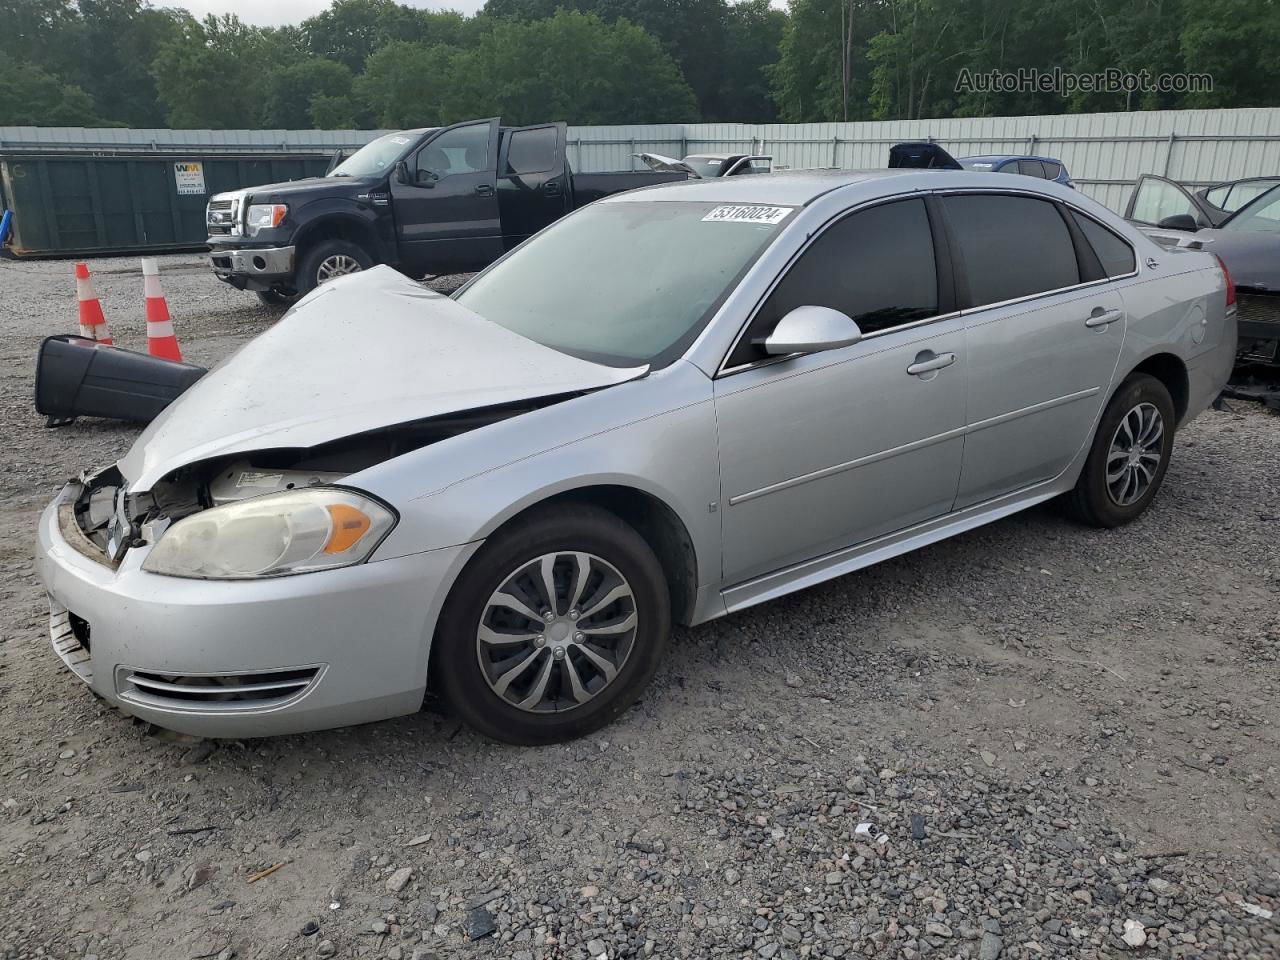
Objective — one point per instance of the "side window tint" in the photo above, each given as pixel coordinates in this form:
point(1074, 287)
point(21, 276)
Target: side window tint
point(1115, 255)
point(1011, 246)
point(1010, 167)
point(461, 150)
point(1052, 170)
point(1157, 199)
point(877, 266)
point(531, 151)
point(1218, 196)
point(1031, 168)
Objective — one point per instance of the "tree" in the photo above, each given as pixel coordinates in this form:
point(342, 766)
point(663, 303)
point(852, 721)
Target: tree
point(571, 65)
point(409, 84)
point(30, 96)
point(350, 31)
point(753, 36)
point(209, 75)
point(1234, 42)
point(291, 90)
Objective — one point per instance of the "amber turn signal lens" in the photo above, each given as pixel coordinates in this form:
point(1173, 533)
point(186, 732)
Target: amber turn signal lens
point(349, 525)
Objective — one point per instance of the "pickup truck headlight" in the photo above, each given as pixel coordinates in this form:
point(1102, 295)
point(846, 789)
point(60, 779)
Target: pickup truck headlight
point(264, 216)
point(298, 531)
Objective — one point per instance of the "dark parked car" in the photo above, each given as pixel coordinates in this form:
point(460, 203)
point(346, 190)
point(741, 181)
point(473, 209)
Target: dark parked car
point(428, 201)
point(1246, 240)
point(1224, 199)
point(1046, 168)
point(708, 166)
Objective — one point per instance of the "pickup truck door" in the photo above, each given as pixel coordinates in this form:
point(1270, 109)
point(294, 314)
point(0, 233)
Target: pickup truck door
point(533, 180)
point(447, 213)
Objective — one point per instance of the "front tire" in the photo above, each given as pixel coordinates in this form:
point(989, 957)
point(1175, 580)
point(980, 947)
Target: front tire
point(1129, 455)
point(554, 628)
point(328, 260)
point(276, 299)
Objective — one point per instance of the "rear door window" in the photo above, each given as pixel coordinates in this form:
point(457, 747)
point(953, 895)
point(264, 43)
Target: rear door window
point(531, 151)
point(876, 265)
point(1051, 170)
point(1031, 168)
point(1115, 255)
point(1011, 247)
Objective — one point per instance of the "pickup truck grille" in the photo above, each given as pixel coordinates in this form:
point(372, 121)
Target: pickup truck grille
point(220, 216)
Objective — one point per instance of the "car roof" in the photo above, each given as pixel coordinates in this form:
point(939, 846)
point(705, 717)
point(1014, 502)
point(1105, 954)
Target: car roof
point(792, 188)
point(713, 156)
point(999, 157)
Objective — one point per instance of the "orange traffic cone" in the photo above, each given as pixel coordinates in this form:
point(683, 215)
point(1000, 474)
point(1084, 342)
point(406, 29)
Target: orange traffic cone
point(93, 323)
point(160, 339)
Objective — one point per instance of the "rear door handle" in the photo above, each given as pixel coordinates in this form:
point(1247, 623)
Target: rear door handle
point(551, 188)
point(930, 363)
point(1100, 317)
point(484, 190)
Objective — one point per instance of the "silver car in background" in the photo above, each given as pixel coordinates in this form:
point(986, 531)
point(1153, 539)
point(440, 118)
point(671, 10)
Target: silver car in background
point(672, 404)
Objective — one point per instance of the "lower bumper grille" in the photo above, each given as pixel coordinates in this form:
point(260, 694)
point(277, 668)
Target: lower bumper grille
point(216, 691)
point(70, 637)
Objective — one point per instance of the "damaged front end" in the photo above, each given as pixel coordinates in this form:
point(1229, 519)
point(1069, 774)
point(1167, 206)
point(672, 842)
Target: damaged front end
point(103, 519)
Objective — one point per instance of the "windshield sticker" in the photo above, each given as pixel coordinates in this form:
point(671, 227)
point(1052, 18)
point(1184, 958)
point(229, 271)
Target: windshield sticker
point(982, 166)
point(400, 139)
point(735, 213)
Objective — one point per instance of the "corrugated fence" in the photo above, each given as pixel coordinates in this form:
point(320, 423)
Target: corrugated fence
point(1104, 152)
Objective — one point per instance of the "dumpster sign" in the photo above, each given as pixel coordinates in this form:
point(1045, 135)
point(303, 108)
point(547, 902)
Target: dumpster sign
point(189, 175)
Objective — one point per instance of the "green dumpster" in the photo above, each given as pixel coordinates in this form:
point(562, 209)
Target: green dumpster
point(77, 204)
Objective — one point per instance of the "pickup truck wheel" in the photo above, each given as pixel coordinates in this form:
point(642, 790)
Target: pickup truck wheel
point(327, 260)
point(276, 298)
point(554, 628)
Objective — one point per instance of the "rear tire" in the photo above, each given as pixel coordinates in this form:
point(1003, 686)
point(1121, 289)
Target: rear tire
point(1129, 455)
point(564, 671)
point(327, 260)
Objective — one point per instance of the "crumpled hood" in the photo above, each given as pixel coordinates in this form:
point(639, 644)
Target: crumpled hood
point(370, 350)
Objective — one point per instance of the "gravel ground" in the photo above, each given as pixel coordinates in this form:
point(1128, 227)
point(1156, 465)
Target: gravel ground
point(1035, 740)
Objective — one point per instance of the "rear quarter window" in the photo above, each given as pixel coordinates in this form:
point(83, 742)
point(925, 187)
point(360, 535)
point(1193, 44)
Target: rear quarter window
point(1115, 255)
point(1011, 247)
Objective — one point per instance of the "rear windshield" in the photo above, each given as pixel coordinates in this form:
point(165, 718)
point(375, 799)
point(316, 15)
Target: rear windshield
point(625, 283)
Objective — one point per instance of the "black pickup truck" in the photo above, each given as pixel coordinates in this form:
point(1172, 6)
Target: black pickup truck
point(429, 201)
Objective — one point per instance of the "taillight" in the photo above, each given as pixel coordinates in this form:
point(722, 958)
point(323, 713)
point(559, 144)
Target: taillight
point(1231, 287)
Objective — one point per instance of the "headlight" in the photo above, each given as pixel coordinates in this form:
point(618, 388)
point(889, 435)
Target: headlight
point(273, 535)
point(263, 216)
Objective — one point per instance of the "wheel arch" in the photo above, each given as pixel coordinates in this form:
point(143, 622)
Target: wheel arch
point(654, 519)
point(340, 226)
point(1171, 371)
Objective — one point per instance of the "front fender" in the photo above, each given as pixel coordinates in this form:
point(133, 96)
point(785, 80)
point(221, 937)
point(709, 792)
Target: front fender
point(373, 224)
point(656, 435)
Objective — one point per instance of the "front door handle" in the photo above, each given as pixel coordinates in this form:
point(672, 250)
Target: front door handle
point(1100, 317)
point(484, 190)
point(927, 363)
point(551, 188)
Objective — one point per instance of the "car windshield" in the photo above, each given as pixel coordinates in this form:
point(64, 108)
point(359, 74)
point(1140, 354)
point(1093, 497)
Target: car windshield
point(1260, 216)
point(706, 167)
point(625, 283)
point(375, 156)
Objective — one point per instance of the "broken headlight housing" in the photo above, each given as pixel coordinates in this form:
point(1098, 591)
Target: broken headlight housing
point(273, 535)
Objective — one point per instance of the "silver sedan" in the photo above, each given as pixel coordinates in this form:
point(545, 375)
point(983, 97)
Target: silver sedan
point(672, 404)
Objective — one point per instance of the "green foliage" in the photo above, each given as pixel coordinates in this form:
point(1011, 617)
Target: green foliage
point(291, 89)
point(384, 62)
point(31, 96)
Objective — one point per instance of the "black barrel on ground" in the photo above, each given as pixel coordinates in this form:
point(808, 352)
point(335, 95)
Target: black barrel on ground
point(78, 377)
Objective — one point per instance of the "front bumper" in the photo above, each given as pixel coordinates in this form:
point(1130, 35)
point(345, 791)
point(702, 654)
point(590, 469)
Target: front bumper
point(245, 658)
point(255, 267)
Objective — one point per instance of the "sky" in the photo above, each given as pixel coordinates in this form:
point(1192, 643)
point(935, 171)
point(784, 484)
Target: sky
point(273, 13)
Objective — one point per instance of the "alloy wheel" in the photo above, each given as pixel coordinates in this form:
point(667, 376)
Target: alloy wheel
point(336, 265)
point(1134, 456)
point(557, 632)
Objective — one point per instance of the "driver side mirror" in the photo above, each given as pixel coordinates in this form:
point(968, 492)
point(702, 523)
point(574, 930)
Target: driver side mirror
point(1179, 221)
point(811, 329)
